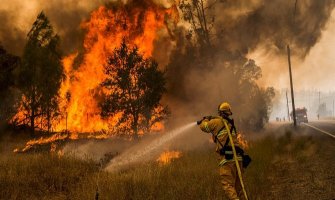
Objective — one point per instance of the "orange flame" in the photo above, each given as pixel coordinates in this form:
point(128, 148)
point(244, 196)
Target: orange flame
point(105, 31)
point(42, 141)
point(80, 91)
point(242, 141)
point(167, 156)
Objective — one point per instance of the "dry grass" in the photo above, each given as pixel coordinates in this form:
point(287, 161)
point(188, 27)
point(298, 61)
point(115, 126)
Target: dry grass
point(193, 176)
point(41, 176)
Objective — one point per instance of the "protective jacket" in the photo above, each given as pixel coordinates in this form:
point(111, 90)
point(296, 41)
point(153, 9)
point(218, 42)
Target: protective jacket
point(216, 126)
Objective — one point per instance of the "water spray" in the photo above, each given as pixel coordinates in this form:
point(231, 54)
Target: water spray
point(134, 154)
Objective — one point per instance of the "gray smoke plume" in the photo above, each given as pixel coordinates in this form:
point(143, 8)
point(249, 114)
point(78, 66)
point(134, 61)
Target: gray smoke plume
point(246, 24)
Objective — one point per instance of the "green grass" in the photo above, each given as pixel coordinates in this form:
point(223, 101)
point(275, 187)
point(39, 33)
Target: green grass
point(193, 176)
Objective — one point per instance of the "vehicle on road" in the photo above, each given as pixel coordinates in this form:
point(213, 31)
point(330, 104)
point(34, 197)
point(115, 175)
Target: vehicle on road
point(300, 115)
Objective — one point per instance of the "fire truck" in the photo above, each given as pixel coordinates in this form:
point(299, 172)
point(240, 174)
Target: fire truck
point(300, 115)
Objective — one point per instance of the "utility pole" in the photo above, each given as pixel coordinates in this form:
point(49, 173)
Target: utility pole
point(319, 107)
point(333, 109)
point(309, 100)
point(291, 83)
point(288, 108)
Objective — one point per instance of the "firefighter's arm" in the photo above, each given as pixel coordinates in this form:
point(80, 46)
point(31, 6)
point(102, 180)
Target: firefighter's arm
point(207, 125)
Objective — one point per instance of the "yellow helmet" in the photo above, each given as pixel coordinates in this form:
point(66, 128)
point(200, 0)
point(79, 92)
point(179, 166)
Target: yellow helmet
point(225, 108)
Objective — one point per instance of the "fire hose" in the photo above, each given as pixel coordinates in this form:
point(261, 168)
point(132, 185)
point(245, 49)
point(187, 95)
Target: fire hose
point(236, 161)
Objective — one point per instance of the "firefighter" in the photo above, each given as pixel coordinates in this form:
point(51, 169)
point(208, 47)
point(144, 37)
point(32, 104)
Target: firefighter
point(218, 127)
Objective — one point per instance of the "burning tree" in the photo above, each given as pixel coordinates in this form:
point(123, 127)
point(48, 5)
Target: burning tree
point(135, 87)
point(40, 75)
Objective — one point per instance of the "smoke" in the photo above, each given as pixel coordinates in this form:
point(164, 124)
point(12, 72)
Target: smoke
point(261, 30)
point(318, 61)
point(308, 32)
point(66, 16)
point(258, 30)
point(249, 27)
point(17, 17)
point(273, 24)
